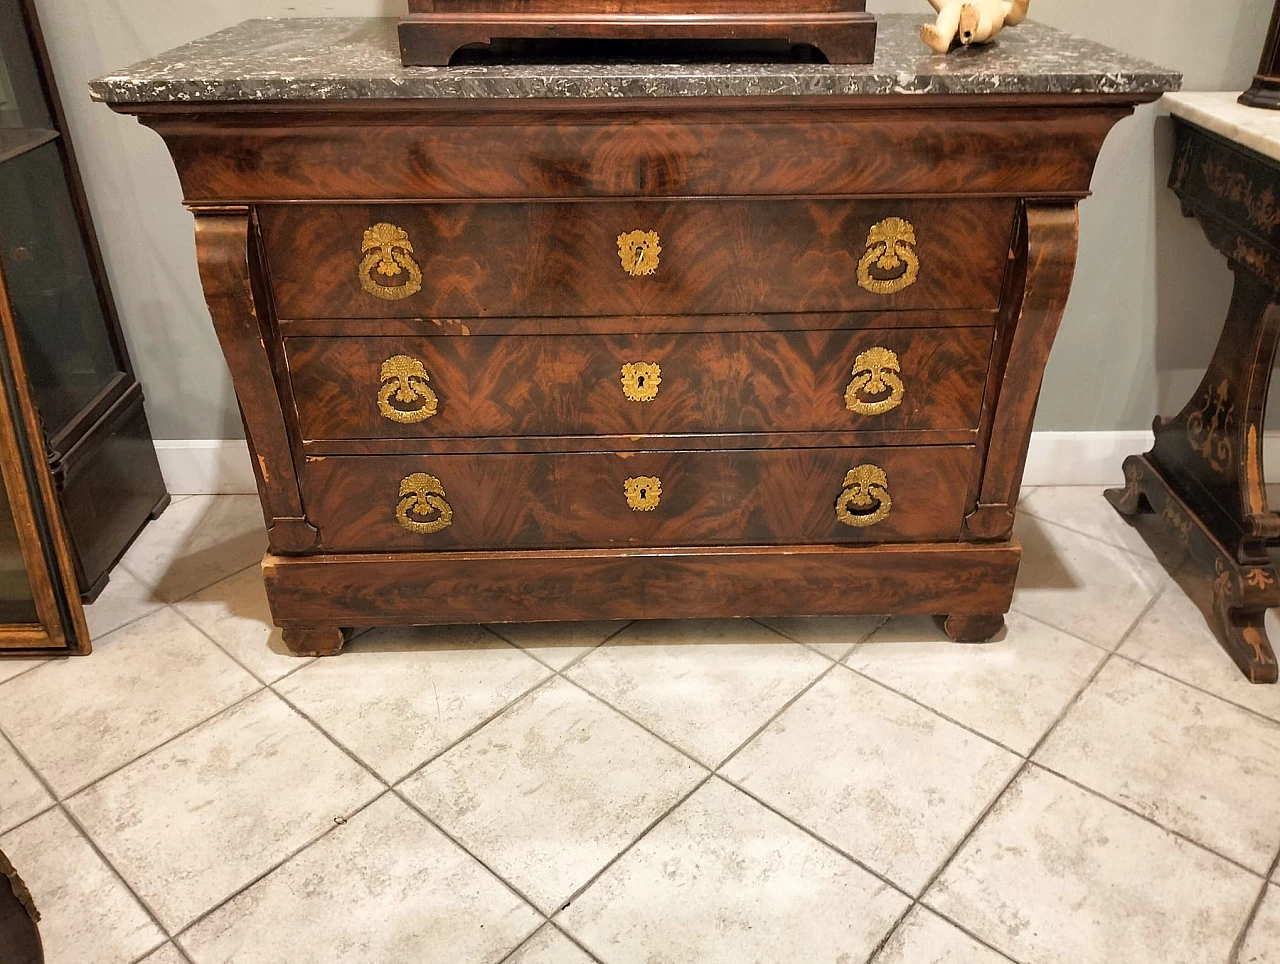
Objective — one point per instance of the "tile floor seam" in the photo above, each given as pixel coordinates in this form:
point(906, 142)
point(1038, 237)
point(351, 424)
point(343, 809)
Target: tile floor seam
point(626, 715)
point(808, 832)
point(888, 935)
point(476, 728)
point(44, 661)
point(1150, 604)
point(93, 845)
point(1088, 535)
point(852, 646)
point(1199, 689)
point(1026, 764)
point(164, 943)
point(95, 640)
point(400, 795)
point(1142, 816)
point(576, 943)
point(543, 925)
point(232, 656)
point(332, 739)
point(627, 624)
point(199, 723)
point(1066, 632)
point(684, 798)
point(205, 914)
point(1237, 945)
point(253, 565)
point(936, 712)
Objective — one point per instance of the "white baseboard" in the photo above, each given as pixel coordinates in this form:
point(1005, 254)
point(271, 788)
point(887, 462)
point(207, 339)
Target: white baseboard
point(206, 466)
point(210, 466)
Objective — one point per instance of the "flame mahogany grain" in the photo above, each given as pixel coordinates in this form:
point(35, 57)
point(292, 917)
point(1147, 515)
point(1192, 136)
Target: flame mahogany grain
point(711, 384)
point(763, 206)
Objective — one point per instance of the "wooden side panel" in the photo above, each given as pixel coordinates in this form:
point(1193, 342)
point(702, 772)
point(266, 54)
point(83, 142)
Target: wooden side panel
point(456, 587)
point(573, 500)
point(222, 247)
point(1052, 243)
point(712, 383)
point(563, 259)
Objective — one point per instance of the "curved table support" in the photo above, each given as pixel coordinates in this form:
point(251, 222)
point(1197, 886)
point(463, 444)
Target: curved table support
point(222, 247)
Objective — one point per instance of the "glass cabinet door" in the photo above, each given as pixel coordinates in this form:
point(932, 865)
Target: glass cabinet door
point(61, 324)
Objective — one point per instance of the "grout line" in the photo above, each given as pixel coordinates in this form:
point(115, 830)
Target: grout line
point(346, 819)
point(528, 650)
point(399, 795)
point(163, 944)
point(1090, 535)
point(680, 801)
point(577, 943)
point(701, 783)
point(808, 832)
point(163, 743)
point(1238, 944)
point(1044, 737)
point(472, 730)
point(888, 935)
point(1143, 817)
point(934, 711)
point(302, 660)
point(40, 664)
point(1200, 689)
point(95, 640)
point(852, 646)
point(542, 926)
point(84, 835)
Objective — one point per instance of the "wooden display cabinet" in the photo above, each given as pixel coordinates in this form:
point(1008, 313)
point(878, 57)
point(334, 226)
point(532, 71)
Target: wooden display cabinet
point(79, 469)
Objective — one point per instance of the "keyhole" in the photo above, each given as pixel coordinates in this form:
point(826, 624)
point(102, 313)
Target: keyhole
point(644, 493)
point(640, 382)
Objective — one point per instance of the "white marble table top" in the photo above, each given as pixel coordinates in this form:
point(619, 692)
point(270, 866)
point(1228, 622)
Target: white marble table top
point(1221, 112)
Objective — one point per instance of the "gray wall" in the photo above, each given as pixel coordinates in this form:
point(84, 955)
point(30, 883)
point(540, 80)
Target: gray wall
point(1149, 297)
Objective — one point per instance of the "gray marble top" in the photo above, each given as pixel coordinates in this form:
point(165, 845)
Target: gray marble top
point(355, 59)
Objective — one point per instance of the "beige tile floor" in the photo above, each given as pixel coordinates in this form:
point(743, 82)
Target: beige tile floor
point(1097, 785)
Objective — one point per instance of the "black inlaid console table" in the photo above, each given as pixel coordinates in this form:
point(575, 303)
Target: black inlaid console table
point(1204, 476)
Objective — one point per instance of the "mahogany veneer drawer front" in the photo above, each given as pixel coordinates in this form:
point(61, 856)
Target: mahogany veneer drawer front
point(641, 257)
point(797, 381)
point(601, 499)
point(630, 343)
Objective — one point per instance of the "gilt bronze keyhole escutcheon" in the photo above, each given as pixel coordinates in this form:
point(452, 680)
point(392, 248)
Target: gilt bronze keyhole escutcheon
point(422, 507)
point(639, 251)
point(388, 253)
point(640, 381)
point(865, 499)
point(891, 250)
point(643, 492)
point(404, 381)
point(875, 372)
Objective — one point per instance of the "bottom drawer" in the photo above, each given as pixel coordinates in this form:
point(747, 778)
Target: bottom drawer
point(607, 499)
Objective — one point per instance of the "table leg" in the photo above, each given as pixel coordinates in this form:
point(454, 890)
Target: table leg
point(1203, 478)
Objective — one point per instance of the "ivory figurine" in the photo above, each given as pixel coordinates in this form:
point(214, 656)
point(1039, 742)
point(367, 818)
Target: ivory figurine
point(971, 21)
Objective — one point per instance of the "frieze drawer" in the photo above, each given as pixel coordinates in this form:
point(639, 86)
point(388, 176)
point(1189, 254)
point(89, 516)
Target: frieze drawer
point(641, 257)
point(609, 499)
point(923, 379)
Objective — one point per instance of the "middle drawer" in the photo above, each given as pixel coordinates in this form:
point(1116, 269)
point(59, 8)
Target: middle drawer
point(922, 379)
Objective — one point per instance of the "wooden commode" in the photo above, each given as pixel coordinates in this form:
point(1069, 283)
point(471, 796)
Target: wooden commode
point(566, 342)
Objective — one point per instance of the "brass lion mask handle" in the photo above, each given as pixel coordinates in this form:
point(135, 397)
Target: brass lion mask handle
point(422, 507)
point(643, 492)
point(389, 252)
point(639, 251)
point(404, 381)
point(865, 499)
point(875, 372)
point(891, 250)
point(640, 381)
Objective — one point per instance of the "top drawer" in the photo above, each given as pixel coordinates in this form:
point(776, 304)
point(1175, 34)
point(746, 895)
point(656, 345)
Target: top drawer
point(634, 257)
